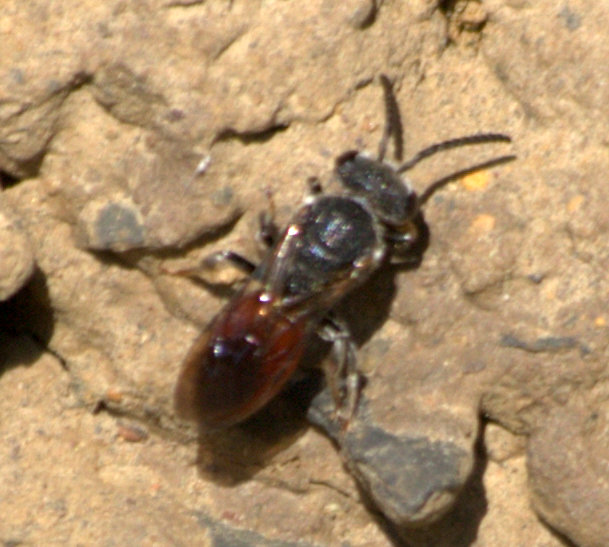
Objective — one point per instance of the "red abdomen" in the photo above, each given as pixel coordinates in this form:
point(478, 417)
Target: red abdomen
point(240, 362)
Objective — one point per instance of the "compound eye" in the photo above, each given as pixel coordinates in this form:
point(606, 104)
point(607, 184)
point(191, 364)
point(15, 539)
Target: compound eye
point(353, 171)
point(346, 157)
point(410, 206)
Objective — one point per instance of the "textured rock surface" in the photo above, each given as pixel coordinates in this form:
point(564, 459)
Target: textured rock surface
point(138, 137)
point(15, 254)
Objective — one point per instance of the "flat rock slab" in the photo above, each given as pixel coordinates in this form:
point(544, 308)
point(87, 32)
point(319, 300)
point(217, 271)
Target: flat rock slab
point(138, 138)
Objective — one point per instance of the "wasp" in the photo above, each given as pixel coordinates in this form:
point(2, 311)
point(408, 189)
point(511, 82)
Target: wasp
point(331, 246)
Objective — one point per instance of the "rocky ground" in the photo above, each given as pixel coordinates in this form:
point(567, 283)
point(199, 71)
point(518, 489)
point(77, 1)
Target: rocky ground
point(137, 137)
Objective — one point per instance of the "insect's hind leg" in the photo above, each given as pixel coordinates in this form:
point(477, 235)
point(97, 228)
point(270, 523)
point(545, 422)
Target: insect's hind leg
point(342, 376)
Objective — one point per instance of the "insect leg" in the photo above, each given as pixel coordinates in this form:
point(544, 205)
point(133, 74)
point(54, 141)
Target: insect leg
point(211, 262)
point(268, 232)
point(315, 187)
point(240, 262)
point(341, 372)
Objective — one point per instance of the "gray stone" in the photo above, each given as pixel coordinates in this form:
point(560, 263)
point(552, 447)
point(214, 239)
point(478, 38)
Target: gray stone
point(411, 480)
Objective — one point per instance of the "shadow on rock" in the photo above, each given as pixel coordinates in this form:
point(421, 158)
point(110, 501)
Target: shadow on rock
point(27, 313)
point(368, 307)
point(233, 455)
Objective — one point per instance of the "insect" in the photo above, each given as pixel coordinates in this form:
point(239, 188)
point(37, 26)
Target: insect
point(332, 244)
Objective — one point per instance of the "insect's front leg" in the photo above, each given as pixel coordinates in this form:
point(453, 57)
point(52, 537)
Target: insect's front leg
point(315, 187)
point(211, 263)
point(268, 231)
point(342, 376)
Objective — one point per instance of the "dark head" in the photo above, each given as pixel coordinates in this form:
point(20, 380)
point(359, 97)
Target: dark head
point(386, 192)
